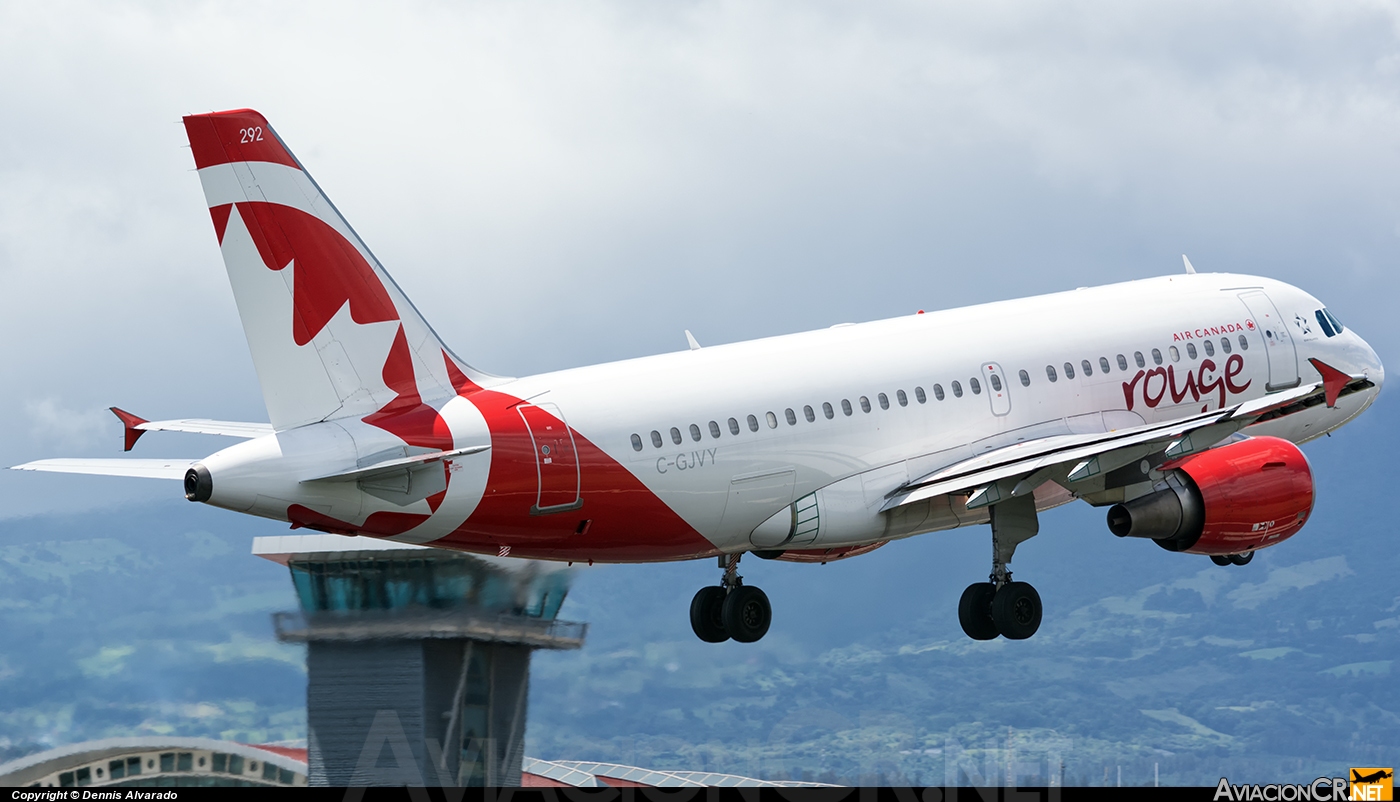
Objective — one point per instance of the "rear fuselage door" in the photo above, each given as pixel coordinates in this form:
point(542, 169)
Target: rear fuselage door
point(556, 459)
point(998, 388)
point(1283, 357)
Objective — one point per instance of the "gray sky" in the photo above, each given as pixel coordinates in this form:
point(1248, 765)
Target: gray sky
point(556, 184)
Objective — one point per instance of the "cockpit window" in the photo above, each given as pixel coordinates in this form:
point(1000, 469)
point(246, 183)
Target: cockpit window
point(1337, 324)
point(1325, 324)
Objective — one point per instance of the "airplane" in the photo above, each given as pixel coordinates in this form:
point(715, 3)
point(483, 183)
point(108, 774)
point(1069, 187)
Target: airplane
point(1176, 402)
point(1373, 777)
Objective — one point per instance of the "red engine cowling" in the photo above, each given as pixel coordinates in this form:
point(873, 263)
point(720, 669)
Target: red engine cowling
point(1231, 499)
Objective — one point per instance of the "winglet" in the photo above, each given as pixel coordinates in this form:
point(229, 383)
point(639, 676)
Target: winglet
point(1333, 380)
point(130, 421)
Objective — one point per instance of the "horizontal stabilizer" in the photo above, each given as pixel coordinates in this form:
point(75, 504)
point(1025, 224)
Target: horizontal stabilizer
point(137, 468)
point(136, 426)
point(392, 465)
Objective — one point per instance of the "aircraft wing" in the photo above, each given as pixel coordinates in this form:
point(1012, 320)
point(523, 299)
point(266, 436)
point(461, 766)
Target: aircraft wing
point(1018, 469)
point(138, 468)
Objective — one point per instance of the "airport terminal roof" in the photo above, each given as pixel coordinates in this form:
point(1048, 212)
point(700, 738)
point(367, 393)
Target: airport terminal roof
point(183, 762)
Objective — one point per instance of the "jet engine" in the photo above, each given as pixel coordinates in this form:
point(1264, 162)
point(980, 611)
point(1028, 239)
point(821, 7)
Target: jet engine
point(1232, 499)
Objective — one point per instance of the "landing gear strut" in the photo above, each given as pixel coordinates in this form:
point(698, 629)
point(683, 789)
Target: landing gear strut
point(730, 609)
point(1000, 606)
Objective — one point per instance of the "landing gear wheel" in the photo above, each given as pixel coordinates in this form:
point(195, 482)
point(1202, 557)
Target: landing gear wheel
point(1016, 610)
point(1242, 559)
point(707, 615)
point(975, 611)
point(747, 614)
point(1221, 559)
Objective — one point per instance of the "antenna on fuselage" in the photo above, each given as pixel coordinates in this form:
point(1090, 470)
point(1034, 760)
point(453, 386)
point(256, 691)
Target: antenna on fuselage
point(690, 338)
point(1189, 269)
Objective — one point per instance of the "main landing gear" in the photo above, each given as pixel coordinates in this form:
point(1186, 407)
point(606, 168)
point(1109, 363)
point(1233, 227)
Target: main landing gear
point(1000, 606)
point(1232, 559)
point(730, 609)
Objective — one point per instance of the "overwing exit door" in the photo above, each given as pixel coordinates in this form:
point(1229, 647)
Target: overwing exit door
point(998, 390)
point(556, 459)
point(1283, 356)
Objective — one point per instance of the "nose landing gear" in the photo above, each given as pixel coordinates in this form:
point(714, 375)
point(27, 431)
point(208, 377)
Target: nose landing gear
point(730, 609)
point(1001, 606)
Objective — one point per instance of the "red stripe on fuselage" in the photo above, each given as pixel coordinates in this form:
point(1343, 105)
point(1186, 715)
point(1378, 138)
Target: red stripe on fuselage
point(626, 521)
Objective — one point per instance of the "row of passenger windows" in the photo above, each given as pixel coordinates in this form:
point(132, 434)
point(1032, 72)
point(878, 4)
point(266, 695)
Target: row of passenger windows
point(973, 384)
point(1175, 353)
point(754, 423)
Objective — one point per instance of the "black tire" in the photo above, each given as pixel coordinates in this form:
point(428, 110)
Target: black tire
point(1221, 559)
point(1016, 610)
point(747, 614)
point(975, 611)
point(707, 615)
point(1242, 559)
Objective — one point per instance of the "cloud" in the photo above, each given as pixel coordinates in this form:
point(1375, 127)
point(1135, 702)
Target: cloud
point(557, 184)
point(66, 428)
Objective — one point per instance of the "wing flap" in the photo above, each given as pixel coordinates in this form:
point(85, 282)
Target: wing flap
point(136, 468)
point(990, 477)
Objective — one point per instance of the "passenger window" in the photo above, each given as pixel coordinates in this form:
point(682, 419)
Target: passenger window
point(1244, 344)
point(1103, 364)
point(808, 413)
point(1122, 362)
point(733, 426)
point(1050, 373)
point(827, 410)
point(884, 401)
point(957, 390)
point(846, 407)
point(1137, 357)
point(1069, 371)
point(938, 392)
point(919, 394)
point(753, 424)
point(636, 442)
point(656, 438)
point(1210, 348)
point(996, 382)
point(902, 398)
point(1087, 366)
point(975, 385)
point(1191, 350)
point(864, 404)
point(694, 432)
point(714, 429)
point(1176, 354)
point(1156, 356)
point(1225, 344)
point(1025, 379)
point(791, 416)
point(772, 420)
point(675, 435)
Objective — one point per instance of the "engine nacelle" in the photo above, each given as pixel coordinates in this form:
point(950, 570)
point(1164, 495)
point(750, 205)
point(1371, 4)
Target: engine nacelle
point(1229, 500)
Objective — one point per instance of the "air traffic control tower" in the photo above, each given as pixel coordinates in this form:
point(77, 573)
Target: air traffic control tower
point(417, 659)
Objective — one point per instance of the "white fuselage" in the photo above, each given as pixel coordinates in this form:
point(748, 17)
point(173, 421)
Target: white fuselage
point(906, 396)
